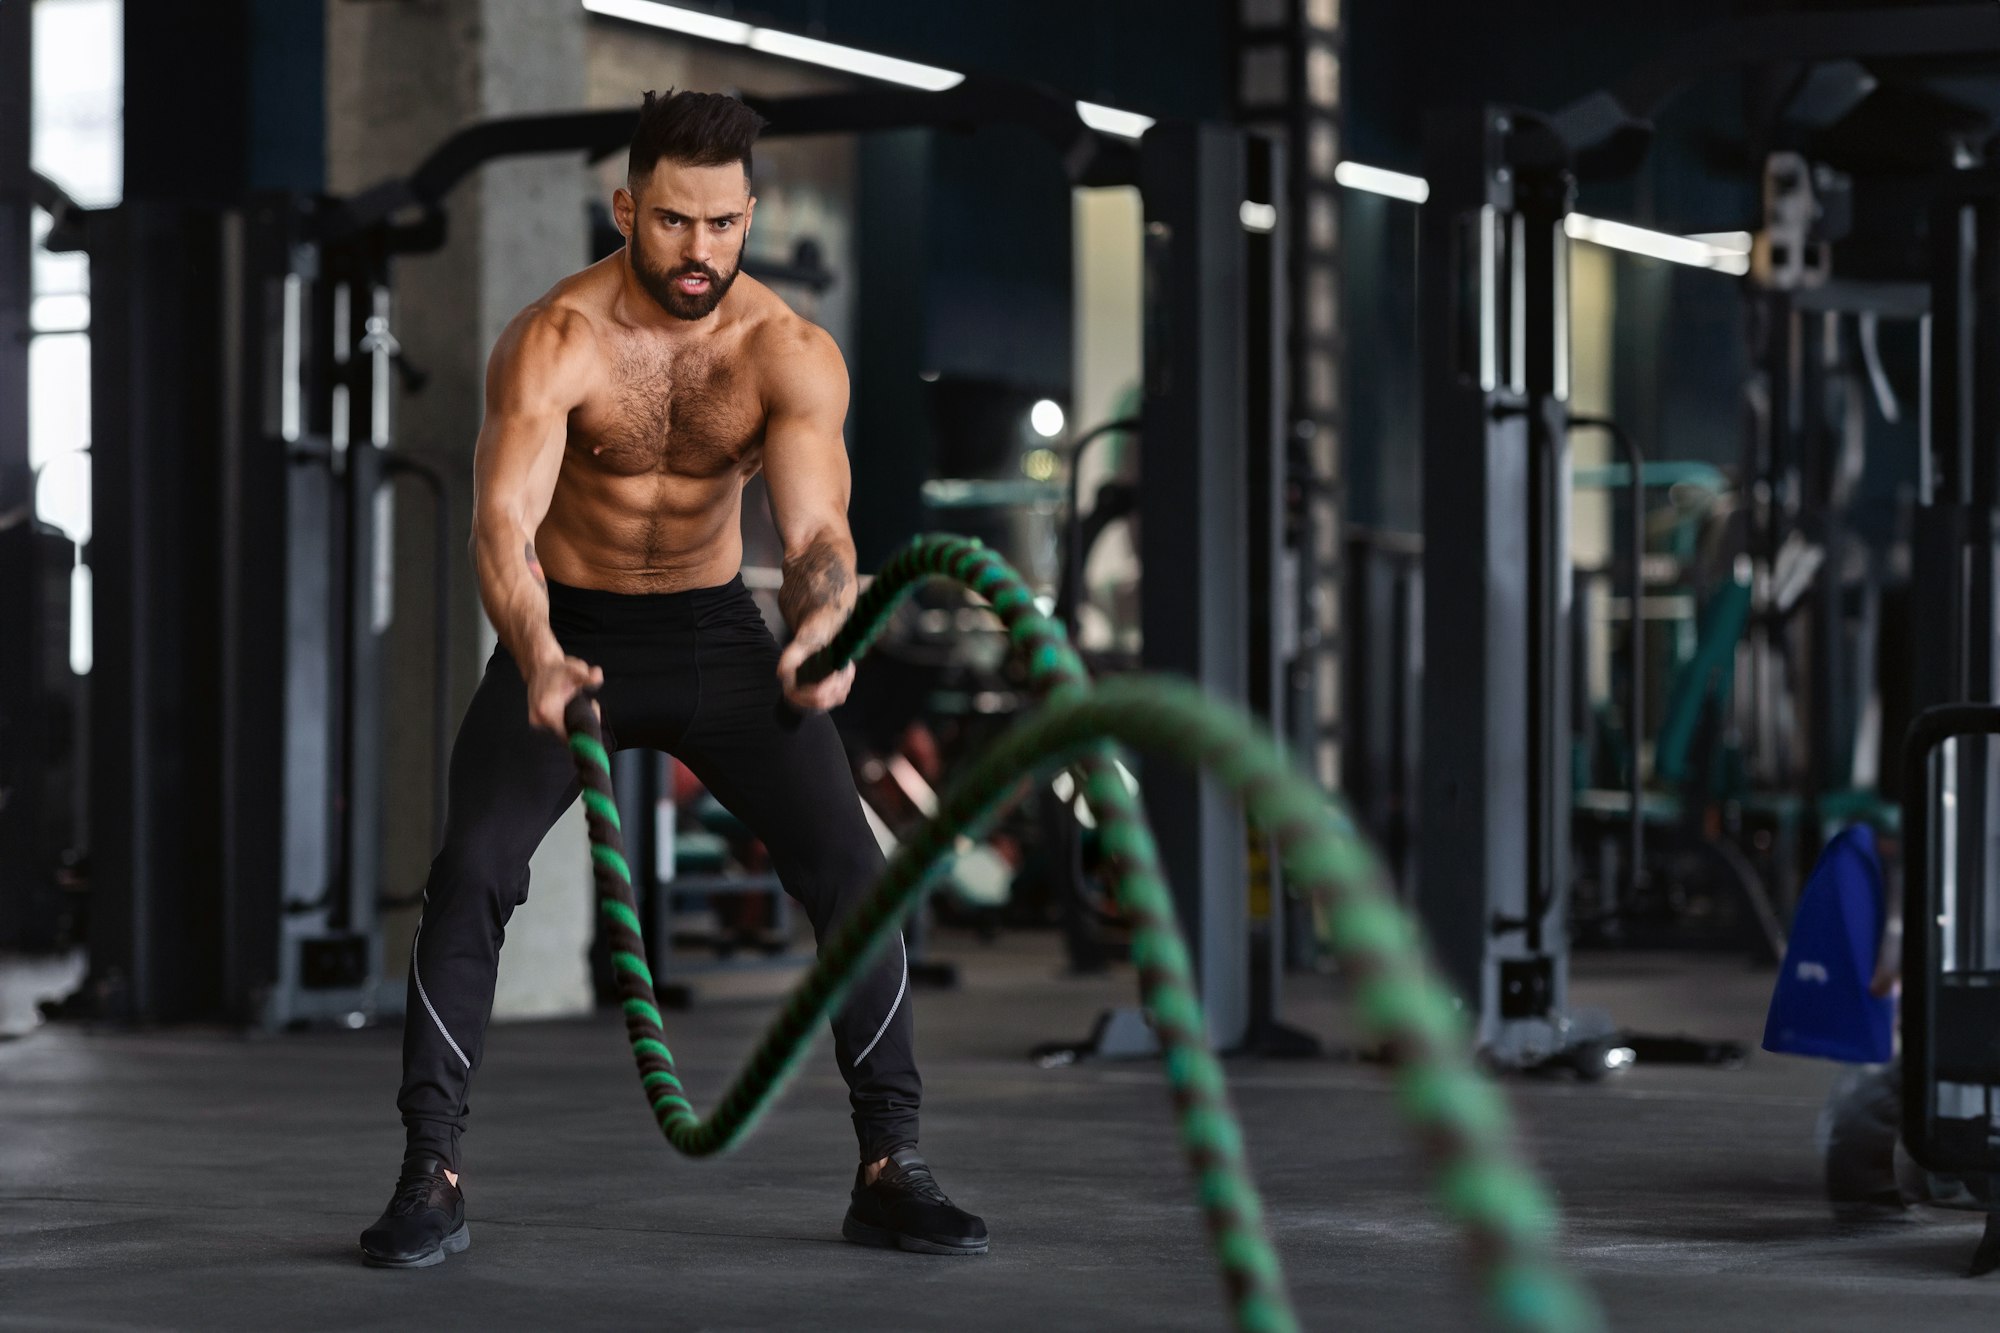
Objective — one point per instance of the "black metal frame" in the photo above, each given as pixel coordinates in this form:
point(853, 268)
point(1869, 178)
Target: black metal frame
point(1956, 542)
point(1493, 303)
point(1958, 532)
point(1382, 699)
point(1196, 510)
point(1948, 1031)
point(18, 193)
point(24, 743)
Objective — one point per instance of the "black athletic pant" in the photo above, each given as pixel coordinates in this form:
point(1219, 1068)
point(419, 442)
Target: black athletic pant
point(694, 674)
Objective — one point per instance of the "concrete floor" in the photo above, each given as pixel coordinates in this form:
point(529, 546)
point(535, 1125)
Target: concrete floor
point(198, 1180)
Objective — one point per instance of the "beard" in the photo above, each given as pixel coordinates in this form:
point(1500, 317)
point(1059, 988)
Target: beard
point(663, 284)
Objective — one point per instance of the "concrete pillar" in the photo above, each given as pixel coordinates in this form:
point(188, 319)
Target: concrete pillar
point(399, 79)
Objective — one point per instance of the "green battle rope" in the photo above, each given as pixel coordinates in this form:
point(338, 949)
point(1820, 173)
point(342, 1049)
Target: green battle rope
point(1457, 1114)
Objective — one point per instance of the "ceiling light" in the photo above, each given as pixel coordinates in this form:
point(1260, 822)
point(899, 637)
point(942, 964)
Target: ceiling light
point(787, 45)
point(675, 19)
point(1258, 217)
point(887, 68)
point(1736, 242)
point(1656, 244)
point(1376, 180)
point(1110, 120)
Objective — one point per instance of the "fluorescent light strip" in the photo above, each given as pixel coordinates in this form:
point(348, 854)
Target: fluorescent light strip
point(675, 19)
point(1723, 251)
point(1735, 242)
point(787, 45)
point(887, 68)
point(1375, 180)
point(1110, 120)
point(813, 51)
point(1656, 244)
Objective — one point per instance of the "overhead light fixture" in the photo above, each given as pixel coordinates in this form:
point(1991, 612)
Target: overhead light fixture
point(1258, 217)
point(1689, 250)
point(786, 45)
point(1377, 180)
point(1736, 242)
point(812, 51)
point(1110, 120)
point(832, 55)
point(1722, 251)
point(674, 19)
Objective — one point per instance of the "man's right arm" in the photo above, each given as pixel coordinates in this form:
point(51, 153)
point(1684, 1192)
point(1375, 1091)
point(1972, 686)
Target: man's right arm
point(538, 372)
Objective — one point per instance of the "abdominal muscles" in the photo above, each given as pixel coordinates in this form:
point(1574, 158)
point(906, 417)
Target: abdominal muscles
point(654, 532)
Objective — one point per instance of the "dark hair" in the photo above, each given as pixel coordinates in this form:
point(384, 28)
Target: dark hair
point(693, 130)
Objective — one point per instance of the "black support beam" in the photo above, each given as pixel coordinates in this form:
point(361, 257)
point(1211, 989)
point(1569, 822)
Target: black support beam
point(1195, 584)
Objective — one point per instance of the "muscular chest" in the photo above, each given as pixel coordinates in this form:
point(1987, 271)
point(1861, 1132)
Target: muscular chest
point(694, 415)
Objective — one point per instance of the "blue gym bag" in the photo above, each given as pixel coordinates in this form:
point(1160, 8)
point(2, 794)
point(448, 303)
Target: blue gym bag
point(1821, 1005)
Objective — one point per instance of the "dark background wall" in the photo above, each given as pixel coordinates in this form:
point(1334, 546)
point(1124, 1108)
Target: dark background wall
point(222, 96)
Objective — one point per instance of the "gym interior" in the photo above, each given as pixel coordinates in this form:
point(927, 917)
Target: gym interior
point(1426, 611)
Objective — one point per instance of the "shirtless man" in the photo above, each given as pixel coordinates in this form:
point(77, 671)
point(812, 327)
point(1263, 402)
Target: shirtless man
point(625, 410)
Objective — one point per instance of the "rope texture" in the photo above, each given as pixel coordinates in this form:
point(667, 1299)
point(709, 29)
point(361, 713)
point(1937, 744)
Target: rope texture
point(1457, 1115)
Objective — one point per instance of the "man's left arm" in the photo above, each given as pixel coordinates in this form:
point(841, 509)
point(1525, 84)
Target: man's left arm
point(806, 475)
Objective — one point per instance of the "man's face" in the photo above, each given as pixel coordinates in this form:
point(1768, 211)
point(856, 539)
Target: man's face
point(684, 229)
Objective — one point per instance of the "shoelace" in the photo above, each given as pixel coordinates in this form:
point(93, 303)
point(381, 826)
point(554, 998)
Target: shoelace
point(411, 1192)
point(915, 1179)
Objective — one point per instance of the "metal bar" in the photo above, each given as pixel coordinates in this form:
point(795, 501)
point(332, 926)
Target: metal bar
point(1090, 158)
point(1981, 438)
point(1889, 300)
point(21, 761)
point(1635, 554)
point(1537, 263)
point(17, 190)
point(1070, 600)
point(1272, 610)
point(1476, 579)
point(1194, 592)
point(1921, 960)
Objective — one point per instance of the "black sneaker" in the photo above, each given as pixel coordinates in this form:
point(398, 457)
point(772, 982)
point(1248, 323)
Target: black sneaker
point(905, 1209)
point(424, 1221)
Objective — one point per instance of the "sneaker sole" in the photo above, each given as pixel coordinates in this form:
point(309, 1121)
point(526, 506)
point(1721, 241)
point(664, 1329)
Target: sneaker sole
point(456, 1243)
point(882, 1238)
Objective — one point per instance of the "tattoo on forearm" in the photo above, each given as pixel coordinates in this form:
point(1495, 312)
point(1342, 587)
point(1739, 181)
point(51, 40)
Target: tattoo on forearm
point(535, 567)
point(815, 578)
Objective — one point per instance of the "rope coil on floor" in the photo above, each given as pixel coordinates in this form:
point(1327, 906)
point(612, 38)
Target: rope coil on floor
point(1460, 1119)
